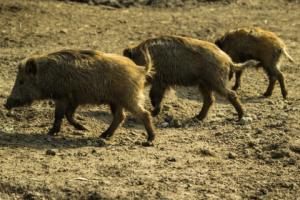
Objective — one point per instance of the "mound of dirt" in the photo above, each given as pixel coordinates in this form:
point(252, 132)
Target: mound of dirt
point(154, 3)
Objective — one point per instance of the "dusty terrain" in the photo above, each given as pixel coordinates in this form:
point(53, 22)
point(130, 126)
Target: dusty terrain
point(215, 159)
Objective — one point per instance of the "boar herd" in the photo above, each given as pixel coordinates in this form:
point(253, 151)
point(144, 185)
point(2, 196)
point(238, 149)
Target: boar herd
point(77, 77)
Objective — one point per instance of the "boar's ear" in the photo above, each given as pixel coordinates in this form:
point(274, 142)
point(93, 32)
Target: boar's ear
point(31, 66)
point(218, 42)
point(127, 52)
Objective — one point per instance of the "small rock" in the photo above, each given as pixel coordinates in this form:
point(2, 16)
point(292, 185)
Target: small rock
point(48, 138)
point(89, 142)
point(206, 152)
point(259, 131)
point(220, 114)
point(147, 144)
point(219, 133)
point(177, 123)
point(169, 118)
point(28, 196)
point(79, 133)
point(231, 155)
point(164, 125)
point(166, 108)
point(50, 152)
point(291, 161)
point(171, 159)
point(65, 31)
point(245, 120)
point(10, 113)
point(94, 196)
point(251, 144)
point(278, 154)
point(101, 142)
point(262, 191)
point(295, 146)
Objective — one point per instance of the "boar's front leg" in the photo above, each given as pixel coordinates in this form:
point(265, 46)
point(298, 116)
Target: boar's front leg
point(70, 110)
point(60, 107)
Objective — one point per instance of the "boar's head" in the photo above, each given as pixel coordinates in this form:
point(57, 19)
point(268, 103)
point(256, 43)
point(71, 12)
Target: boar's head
point(136, 55)
point(25, 89)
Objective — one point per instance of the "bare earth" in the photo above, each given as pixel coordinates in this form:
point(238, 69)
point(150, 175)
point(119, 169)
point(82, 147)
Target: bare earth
point(215, 159)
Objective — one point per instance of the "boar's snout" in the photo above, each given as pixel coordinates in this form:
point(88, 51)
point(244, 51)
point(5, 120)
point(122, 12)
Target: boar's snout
point(11, 103)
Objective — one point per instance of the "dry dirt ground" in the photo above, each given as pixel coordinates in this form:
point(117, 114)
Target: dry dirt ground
point(215, 159)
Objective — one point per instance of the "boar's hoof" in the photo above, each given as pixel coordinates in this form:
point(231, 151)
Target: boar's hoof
point(267, 94)
point(235, 88)
point(199, 118)
point(284, 94)
point(53, 131)
point(155, 112)
point(106, 135)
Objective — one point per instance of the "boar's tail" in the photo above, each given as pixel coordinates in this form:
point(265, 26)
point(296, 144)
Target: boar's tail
point(148, 59)
point(288, 55)
point(244, 65)
point(149, 64)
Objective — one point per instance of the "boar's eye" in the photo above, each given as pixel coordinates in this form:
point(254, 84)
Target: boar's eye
point(21, 82)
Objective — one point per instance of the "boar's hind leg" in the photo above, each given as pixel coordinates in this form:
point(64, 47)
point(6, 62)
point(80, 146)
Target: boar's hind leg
point(145, 117)
point(233, 99)
point(275, 74)
point(281, 81)
point(118, 118)
point(208, 100)
point(237, 80)
point(70, 110)
point(60, 107)
point(157, 92)
point(272, 80)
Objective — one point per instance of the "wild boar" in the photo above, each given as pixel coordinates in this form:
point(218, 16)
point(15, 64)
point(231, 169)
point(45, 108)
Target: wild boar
point(77, 77)
point(256, 43)
point(188, 62)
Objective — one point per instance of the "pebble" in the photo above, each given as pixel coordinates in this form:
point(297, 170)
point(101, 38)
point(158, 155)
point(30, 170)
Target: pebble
point(164, 125)
point(259, 131)
point(50, 152)
point(171, 159)
point(147, 144)
point(278, 154)
point(89, 142)
point(177, 123)
point(295, 146)
point(231, 155)
point(101, 142)
point(245, 120)
point(206, 152)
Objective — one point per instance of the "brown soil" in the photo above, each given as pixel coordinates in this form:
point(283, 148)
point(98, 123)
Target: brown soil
point(215, 159)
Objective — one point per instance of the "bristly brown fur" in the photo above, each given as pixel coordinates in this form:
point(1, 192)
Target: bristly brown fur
point(187, 62)
point(255, 43)
point(77, 77)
